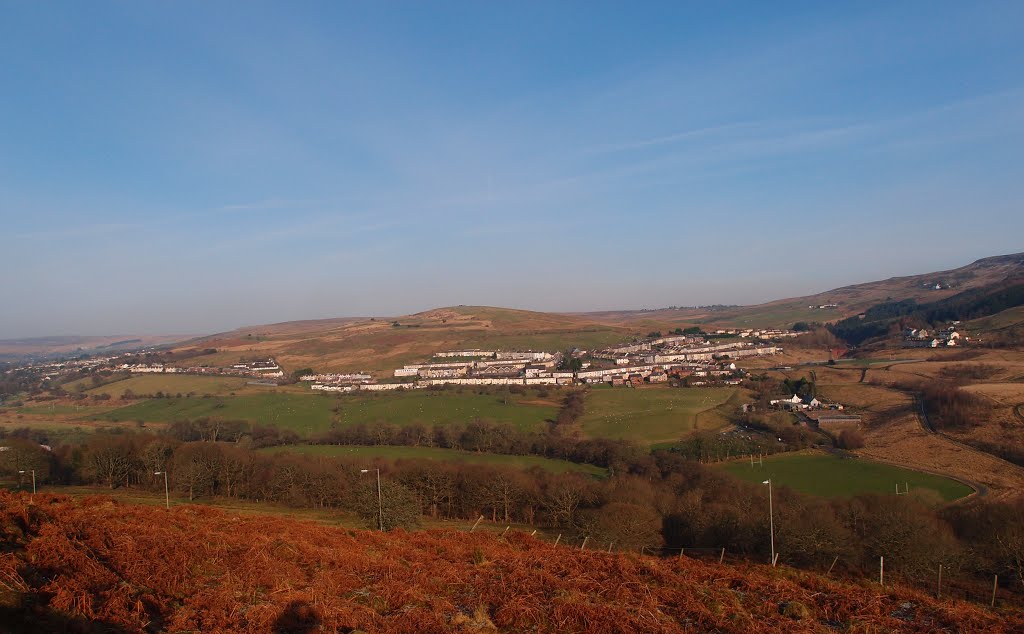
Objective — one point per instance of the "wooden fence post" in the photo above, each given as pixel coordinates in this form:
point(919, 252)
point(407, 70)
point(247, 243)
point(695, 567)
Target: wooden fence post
point(881, 570)
point(559, 539)
point(584, 544)
point(721, 557)
point(995, 586)
point(681, 551)
point(475, 523)
point(938, 587)
point(505, 531)
point(533, 533)
point(610, 546)
point(832, 566)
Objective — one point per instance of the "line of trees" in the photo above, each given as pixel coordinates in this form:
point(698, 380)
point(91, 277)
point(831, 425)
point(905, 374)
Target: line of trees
point(948, 405)
point(659, 499)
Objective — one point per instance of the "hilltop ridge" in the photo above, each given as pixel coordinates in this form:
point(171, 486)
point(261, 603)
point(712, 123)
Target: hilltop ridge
point(377, 343)
point(842, 302)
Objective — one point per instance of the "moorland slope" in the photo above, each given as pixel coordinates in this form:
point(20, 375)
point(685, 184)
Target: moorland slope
point(92, 565)
point(380, 344)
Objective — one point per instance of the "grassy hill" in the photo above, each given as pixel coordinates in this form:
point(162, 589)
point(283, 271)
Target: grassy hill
point(379, 345)
point(851, 300)
point(93, 565)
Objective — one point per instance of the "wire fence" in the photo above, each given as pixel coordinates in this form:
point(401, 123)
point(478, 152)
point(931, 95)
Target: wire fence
point(945, 584)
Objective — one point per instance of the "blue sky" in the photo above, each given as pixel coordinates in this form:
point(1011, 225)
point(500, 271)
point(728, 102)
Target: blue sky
point(193, 167)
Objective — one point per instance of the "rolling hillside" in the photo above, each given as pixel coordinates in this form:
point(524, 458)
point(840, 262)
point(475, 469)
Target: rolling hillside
point(849, 300)
point(379, 345)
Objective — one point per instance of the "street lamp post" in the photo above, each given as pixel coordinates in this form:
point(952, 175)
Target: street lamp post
point(380, 500)
point(33, 480)
point(771, 518)
point(167, 491)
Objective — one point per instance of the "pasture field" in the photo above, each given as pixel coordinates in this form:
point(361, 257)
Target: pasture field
point(304, 414)
point(174, 384)
point(893, 432)
point(53, 409)
point(441, 455)
point(652, 415)
point(312, 413)
point(830, 476)
point(446, 406)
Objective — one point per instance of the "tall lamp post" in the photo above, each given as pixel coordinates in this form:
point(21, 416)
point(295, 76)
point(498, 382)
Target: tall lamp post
point(167, 491)
point(771, 518)
point(33, 480)
point(380, 500)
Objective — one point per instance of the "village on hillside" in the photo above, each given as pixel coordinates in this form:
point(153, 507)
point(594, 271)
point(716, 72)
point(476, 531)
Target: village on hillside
point(923, 338)
point(684, 359)
point(693, 359)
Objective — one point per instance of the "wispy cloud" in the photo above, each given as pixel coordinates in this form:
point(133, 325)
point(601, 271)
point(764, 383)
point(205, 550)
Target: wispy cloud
point(669, 139)
point(269, 204)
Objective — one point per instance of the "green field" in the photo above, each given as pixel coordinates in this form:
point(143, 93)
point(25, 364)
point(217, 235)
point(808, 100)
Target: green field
point(441, 455)
point(313, 413)
point(651, 415)
point(174, 384)
point(831, 476)
point(443, 407)
point(57, 409)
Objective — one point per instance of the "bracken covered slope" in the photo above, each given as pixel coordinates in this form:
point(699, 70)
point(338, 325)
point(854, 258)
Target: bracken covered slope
point(93, 565)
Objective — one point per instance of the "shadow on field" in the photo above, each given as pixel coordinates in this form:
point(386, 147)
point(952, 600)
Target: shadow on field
point(33, 618)
point(298, 618)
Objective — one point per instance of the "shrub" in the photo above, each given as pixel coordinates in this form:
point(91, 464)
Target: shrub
point(850, 439)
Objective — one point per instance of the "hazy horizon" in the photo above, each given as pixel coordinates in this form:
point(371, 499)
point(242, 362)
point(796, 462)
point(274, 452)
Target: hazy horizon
point(194, 168)
point(240, 326)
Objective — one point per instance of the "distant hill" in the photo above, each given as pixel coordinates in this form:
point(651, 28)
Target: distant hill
point(49, 347)
point(383, 343)
point(380, 344)
point(848, 300)
point(93, 565)
point(888, 317)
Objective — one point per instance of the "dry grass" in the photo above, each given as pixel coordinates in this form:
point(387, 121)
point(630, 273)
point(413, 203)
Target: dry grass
point(378, 347)
point(893, 432)
point(197, 569)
